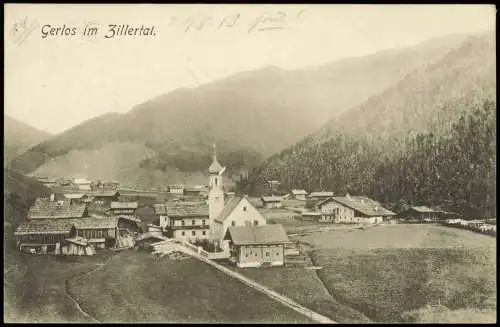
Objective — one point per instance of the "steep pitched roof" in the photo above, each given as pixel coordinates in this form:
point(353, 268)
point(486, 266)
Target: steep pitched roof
point(96, 223)
point(271, 199)
point(124, 205)
point(265, 234)
point(228, 208)
point(299, 192)
point(187, 209)
point(44, 208)
point(364, 205)
point(74, 195)
point(46, 226)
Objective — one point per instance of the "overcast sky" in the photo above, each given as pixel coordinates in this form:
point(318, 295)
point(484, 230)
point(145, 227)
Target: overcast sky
point(57, 82)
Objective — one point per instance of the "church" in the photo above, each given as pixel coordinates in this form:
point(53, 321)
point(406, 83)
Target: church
point(221, 213)
point(238, 211)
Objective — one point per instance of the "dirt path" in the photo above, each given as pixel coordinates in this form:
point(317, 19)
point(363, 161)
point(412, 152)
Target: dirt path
point(99, 265)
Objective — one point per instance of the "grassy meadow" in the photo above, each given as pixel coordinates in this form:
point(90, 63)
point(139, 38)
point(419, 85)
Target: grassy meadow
point(138, 287)
point(409, 273)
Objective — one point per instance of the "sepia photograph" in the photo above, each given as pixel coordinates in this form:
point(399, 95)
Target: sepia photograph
point(238, 163)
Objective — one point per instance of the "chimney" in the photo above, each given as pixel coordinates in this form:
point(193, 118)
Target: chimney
point(52, 197)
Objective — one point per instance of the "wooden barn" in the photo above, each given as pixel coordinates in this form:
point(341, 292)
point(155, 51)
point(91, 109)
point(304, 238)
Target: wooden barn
point(42, 235)
point(257, 246)
point(320, 196)
point(100, 231)
point(269, 202)
point(129, 224)
point(76, 246)
point(77, 198)
point(123, 208)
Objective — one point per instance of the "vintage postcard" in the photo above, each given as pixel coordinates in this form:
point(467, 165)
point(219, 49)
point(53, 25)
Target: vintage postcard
point(249, 163)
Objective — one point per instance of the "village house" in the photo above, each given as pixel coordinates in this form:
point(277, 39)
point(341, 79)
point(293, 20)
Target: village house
point(103, 197)
point(184, 220)
point(82, 184)
point(44, 208)
point(77, 198)
point(353, 209)
point(176, 189)
point(320, 196)
point(298, 194)
point(269, 202)
point(255, 246)
point(129, 225)
point(421, 213)
point(123, 208)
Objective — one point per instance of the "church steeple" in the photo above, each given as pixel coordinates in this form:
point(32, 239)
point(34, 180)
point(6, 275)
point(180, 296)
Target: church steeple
point(215, 167)
point(216, 190)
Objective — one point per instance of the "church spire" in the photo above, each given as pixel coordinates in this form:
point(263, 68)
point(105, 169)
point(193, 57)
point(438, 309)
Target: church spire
point(215, 167)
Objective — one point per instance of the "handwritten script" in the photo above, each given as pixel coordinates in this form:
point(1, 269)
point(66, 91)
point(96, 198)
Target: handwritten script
point(264, 22)
point(22, 29)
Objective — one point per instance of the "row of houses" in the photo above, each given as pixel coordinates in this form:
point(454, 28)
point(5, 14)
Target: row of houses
point(58, 226)
point(82, 184)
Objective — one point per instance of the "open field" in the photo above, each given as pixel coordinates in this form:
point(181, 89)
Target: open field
point(35, 289)
point(137, 287)
point(399, 273)
point(305, 287)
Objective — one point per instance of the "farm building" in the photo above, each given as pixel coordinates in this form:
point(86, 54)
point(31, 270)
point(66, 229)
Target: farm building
point(145, 240)
point(82, 184)
point(318, 196)
point(123, 208)
point(176, 189)
point(311, 216)
point(421, 213)
point(192, 191)
point(76, 246)
point(43, 234)
point(256, 246)
point(184, 220)
point(237, 212)
point(299, 194)
point(103, 232)
point(77, 198)
point(50, 209)
point(103, 197)
point(271, 202)
point(272, 186)
point(353, 209)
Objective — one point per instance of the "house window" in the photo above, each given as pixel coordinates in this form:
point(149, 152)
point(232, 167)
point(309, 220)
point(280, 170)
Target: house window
point(267, 254)
point(183, 233)
point(203, 222)
point(233, 223)
point(203, 233)
point(244, 208)
point(183, 223)
point(216, 182)
point(193, 222)
point(193, 233)
point(255, 222)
